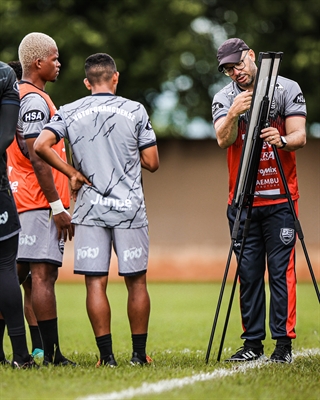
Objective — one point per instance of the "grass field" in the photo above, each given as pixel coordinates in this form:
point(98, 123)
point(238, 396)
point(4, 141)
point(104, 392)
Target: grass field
point(180, 326)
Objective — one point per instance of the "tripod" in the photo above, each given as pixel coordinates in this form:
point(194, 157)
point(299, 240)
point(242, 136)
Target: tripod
point(247, 176)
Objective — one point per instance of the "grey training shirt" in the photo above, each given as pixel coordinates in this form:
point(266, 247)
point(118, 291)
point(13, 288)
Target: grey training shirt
point(106, 134)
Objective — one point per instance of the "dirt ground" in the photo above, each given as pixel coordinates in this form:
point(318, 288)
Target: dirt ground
point(193, 265)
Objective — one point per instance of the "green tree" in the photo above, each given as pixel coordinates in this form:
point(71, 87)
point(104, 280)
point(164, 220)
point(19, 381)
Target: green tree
point(165, 50)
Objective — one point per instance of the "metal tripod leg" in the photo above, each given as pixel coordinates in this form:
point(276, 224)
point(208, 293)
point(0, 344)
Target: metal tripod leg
point(214, 325)
point(244, 237)
point(296, 221)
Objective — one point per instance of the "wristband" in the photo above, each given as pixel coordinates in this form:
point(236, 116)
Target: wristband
point(57, 207)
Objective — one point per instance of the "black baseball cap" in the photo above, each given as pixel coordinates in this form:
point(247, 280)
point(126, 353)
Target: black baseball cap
point(230, 52)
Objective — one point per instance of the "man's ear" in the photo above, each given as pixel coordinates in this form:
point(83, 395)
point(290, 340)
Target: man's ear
point(115, 78)
point(87, 84)
point(38, 62)
point(252, 55)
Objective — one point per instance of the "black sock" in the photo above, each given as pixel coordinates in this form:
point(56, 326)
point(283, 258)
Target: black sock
point(285, 341)
point(2, 328)
point(255, 344)
point(104, 344)
point(139, 342)
point(19, 347)
point(49, 334)
point(35, 337)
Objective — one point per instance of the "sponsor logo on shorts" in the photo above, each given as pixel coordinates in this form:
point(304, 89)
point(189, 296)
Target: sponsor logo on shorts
point(286, 235)
point(87, 252)
point(132, 253)
point(4, 218)
point(27, 240)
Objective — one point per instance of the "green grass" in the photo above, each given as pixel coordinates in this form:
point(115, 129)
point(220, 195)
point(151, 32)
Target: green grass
point(180, 326)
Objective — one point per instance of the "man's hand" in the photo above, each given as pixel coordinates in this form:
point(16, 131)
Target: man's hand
point(76, 182)
point(64, 226)
point(272, 136)
point(241, 103)
point(227, 127)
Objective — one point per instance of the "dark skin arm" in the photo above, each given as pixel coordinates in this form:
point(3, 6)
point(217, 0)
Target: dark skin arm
point(149, 158)
point(45, 178)
point(43, 147)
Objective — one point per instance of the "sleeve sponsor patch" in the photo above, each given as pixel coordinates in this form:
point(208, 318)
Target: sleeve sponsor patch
point(148, 126)
point(299, 99)
point(33, 116)
point(216, 106)
point(56, 117)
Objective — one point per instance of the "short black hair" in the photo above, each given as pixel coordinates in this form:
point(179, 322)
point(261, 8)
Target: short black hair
point(99, 67)
point(17, 67)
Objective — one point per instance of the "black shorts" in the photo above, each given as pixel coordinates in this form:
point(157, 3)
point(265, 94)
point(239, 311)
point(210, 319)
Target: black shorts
point(9, 219)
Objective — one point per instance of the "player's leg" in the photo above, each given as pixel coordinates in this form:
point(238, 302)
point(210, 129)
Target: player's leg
point(252, 287)
point(3, 359)
point(39, 246)
point(138, 314)
point(281, 241)
point(132, 249)
point(92, 247)
point(25, 280)
point(11, 302)
point(99, 313)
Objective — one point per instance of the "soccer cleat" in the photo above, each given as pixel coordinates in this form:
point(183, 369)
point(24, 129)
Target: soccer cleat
point(108, 362)
point(37, 354)
point(281, 354)
point(138, 359)
point(247, 354)
point(26, 365)
point(4, 361)
point(61, 362)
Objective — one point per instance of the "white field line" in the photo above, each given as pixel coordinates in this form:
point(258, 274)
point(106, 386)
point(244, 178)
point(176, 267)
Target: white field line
point(166, 385)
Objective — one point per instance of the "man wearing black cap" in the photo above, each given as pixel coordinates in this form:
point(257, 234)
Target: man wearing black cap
point(272, 232)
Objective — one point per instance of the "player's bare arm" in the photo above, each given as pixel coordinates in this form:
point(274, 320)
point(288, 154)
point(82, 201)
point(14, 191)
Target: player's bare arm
point(295, 134)
point(45, 178)
point(149, 158)
point(43, 148)
point(227, 127)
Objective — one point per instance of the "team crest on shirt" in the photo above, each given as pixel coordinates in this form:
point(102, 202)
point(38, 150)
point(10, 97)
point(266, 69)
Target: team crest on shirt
point(299, 99)
point(33, 116)
point(286, 235)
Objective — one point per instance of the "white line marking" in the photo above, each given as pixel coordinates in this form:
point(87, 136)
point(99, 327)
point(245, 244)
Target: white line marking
point(169, 384)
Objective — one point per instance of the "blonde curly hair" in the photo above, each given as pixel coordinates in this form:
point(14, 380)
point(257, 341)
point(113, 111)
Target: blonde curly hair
point(33, 46)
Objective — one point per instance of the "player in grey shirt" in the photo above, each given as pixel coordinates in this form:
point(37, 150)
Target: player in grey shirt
point(111, 138)
point(106, 134)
